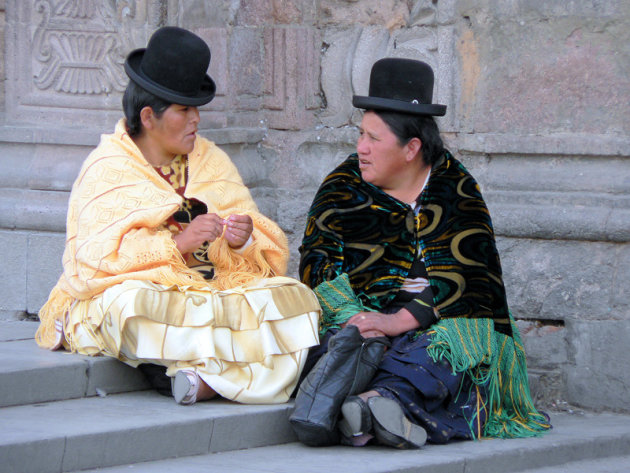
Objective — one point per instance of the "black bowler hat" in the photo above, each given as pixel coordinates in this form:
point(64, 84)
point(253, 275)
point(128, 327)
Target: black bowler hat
point(400, 85)
point(173, 67)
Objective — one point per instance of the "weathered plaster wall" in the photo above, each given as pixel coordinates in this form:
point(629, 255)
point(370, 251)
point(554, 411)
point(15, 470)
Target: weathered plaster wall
point(537, 96)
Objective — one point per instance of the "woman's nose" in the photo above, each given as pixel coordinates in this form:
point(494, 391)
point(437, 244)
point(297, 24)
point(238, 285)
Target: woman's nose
point(362, 147)
point(194, 115)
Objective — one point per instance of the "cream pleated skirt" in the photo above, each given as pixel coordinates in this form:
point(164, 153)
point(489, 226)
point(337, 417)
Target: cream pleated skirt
point(249, 343)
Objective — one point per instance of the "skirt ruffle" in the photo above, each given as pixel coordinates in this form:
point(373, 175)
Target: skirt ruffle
point(248, 343)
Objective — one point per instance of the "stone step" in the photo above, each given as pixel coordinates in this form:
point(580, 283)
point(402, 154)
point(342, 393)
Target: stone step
point(59, 413)
point(129, 428)
point(600, 465)
point(29, 374)
point(598, 440)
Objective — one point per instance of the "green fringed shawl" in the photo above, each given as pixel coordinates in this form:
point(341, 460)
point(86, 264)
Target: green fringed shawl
point(497, 360)
point(338, 303)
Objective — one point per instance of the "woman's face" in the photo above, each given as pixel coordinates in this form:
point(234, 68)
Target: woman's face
point(176, 129)
point(381, 157)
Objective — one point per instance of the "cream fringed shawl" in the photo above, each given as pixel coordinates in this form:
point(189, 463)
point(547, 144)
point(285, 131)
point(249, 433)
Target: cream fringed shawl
point(117, 205)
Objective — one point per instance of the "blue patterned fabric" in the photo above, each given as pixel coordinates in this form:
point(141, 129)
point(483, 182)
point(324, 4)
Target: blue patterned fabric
point(448, 406)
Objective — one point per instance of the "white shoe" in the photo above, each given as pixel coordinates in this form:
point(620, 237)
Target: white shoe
point(185, 386)
point(59, 337)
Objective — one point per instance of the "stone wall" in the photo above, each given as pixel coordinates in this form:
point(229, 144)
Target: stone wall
point(537, 96)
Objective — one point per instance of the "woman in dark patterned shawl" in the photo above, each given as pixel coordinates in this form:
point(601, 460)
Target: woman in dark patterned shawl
point(399, 242)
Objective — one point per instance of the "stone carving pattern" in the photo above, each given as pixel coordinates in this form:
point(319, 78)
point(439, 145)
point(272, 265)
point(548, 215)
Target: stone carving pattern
point(78, 47)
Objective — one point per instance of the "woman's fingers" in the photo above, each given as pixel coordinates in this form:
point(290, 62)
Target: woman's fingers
point(208, 227)
point(238, 229)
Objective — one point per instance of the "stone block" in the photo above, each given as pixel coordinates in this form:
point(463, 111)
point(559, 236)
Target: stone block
point(561, 280)
point(320, 158)
point(291, 78)
point(49, 173)
point(14, 329)
point(548, 388)
point(530, 215)
point(266, 199)
point(542, 9)
point(2, 71)
point(423, 13)
point(13, 292)
point(109, 376)
point(217, 40)
point(275, 12)
point(592, 205)
point(545, 345)
point(354, 51)
point(620, 304)
point(534, 169)
point(302, 160)
point(58, 376)
point(552, 88)
point(235, 431)
point(447, 11)
point(336, 74)
point(446, 89)
point(373, 43)
point(42, 210)
point(33, 210)
point(246, 66)
point(390, 13)
point(194, 14)
point(113, 444)
point(249, 163)
point(292, 211)
point(597, 378)
point(43, 267)
point(43, 456)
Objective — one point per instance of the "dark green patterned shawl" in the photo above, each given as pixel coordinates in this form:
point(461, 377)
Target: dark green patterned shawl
point(355, 228)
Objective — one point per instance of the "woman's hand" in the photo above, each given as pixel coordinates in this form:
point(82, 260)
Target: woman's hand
point(376, 324)
point(206, 227)
point(238, 229)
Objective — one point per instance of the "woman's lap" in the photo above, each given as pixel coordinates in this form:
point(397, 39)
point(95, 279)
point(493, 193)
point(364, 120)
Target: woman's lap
point(443, 403)
point(249, 344)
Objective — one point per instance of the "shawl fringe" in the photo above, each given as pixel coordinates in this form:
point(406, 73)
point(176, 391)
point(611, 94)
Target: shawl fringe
point(233, 269)
point(498, 361)
point(338, 302)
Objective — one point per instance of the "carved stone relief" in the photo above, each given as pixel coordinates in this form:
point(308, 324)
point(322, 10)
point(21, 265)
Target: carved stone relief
point(68, 54)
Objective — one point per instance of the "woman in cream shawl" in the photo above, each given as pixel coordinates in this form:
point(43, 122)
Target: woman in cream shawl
point(167, 259)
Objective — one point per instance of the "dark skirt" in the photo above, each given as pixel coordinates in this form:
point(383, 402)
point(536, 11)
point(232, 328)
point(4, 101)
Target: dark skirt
point(448, 406)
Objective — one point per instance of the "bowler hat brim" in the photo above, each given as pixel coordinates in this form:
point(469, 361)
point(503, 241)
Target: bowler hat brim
point(204, 95)
point(391, 105)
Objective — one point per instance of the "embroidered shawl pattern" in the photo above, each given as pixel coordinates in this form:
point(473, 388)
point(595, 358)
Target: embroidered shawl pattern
point(355, 228)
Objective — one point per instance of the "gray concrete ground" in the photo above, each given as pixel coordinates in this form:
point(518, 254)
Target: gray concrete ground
point(97, 415)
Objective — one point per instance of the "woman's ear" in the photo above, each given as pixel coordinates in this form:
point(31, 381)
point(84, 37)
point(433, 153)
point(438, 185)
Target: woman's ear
point(146, 117)
point(413, 146)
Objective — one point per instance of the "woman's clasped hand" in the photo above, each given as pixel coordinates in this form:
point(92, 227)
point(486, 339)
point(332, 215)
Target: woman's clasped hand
point(236, 229)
